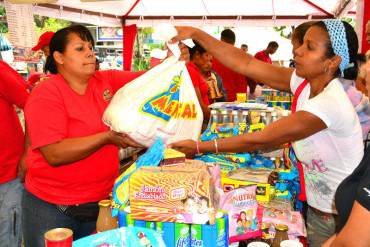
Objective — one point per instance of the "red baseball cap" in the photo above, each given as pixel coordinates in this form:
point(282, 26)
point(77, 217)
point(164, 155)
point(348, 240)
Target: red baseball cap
point(43, 40)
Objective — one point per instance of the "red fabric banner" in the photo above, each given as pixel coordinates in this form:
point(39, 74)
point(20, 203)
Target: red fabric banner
point(364, 45)
point(129, 35)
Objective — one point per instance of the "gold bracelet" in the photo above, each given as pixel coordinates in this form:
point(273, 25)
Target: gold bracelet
point(216, 146)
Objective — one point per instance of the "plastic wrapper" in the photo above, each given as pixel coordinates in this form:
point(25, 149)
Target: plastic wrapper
point(293, 219)
point(227, 161)
point(162, 102)
point(250, 175)
point(245, 215)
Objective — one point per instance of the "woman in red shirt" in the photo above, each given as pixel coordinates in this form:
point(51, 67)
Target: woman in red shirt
point(73, 158)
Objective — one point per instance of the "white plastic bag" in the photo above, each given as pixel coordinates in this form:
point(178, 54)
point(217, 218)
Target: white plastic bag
point(161, 102)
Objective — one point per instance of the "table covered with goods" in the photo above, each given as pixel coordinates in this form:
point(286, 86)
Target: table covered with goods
point(216, 199)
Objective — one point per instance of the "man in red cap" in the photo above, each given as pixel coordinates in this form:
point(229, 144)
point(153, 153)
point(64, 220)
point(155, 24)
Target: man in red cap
point(43, 43)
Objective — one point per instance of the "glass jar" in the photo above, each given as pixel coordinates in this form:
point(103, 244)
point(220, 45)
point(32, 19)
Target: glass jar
point(105, 220)
point(265, 228)
point(280, 235)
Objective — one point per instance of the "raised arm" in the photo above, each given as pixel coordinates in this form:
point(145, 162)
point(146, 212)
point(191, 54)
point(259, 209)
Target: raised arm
point(237, 60)
point(301, 124)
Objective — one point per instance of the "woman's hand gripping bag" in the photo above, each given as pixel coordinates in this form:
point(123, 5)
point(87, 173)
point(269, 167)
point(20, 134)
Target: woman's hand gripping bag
point(160, 103)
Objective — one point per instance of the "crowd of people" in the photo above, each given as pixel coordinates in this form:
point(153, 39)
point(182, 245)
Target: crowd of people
point(68, 157)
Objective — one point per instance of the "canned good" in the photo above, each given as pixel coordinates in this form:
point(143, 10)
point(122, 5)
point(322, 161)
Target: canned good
point(58, 237)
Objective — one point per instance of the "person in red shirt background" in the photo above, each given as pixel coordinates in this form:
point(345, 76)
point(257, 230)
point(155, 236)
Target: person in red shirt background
point(203, 61)
point(43, 45)
point(201, 89)
point(73, 158)
point(264, 56)
point(12, 93)
point(233, 82)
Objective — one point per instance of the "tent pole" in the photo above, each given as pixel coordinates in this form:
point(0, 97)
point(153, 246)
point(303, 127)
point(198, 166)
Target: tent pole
point(330, 15)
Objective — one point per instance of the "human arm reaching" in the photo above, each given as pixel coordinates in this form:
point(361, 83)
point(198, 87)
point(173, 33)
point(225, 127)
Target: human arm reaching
point(239, 61)
point(302, 124)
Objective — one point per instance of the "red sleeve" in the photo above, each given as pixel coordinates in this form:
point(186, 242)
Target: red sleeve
point(118, 78)
point(258, 56)
point(47, 128)
point(216, 66)
point(194, 76)
point(13, 87)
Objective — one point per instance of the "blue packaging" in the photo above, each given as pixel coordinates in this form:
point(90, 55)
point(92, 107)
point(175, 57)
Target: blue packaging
point(210, 235)
point(167, 229)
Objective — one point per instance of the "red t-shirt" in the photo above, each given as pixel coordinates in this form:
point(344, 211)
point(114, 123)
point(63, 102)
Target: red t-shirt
point(12, 92)
point(261, 55)
point(198, 81)
point(233, 82)
point(54, 112)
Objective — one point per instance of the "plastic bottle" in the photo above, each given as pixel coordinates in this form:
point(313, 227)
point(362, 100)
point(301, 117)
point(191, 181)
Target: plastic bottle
point(225, 117)
point(245, 117)
point(214, 118)
point(263, 118)
point(105, 220)
point(235, 116)
point(273, 117)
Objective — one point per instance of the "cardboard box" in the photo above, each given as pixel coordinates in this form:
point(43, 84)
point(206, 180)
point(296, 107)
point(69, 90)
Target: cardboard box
point(172, 194)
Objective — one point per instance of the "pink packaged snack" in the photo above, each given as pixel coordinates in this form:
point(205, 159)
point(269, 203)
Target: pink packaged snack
point(293, 219)
point(245, 215)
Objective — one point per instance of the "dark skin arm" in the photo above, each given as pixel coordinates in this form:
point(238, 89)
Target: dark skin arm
point(22, 166)
point(358, 224)
point(301, 125)
point(70, 150)
point(239, 61)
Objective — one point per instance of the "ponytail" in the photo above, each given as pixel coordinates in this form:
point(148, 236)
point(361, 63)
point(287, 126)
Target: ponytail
point(350, 73)
point(50, 65)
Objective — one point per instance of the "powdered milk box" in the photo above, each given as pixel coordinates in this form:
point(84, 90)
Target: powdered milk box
point(175, 195)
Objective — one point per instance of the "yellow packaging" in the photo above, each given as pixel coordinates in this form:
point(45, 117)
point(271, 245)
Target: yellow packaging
point(262, 191)
point(170, 194)
point(241, 97)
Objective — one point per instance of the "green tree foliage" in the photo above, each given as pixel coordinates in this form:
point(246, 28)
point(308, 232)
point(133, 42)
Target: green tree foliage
point(3, 23)
point(140, 60)
point(284, 31)
point(44, 23)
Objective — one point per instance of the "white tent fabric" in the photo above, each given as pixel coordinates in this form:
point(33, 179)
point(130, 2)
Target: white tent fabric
point(194, 12)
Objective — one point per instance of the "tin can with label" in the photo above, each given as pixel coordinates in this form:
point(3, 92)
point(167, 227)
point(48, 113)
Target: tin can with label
point(59, 237)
